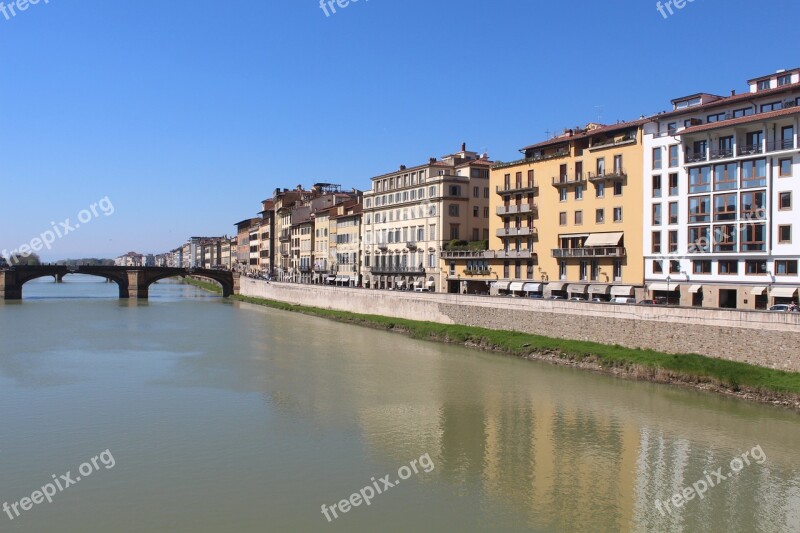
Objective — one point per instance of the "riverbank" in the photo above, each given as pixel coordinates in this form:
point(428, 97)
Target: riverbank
point(731, 378)
point(205, 285)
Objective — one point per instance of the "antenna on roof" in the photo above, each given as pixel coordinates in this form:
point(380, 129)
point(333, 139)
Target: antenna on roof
point(599, 113)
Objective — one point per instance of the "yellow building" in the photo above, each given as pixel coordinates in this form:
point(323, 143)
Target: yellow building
point(568, 217)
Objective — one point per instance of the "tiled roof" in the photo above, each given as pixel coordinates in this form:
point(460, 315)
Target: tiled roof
point(590, 133)
point(741, 120)
point(730, 100)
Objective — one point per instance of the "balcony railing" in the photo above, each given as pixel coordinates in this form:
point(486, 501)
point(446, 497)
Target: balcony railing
point(694, 157)
point(392, 269)
point(465, 254)
point(517, 209)
point(567, 180)
point(411, 245)
point(613, 251)
point(516, 232)
point(514, 254)
point(722, 154)
point(616, 174)
point(750, 149)
point(478, 272)
point(511, 188)
point(778, 146)
point(285, 236)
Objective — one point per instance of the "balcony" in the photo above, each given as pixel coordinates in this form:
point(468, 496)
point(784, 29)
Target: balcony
point(695, 157)
point(508, 188)
point(611, 251)
point(779, 146)
point(566, 181)
point(466, 254)
point(750, 149)
point(286, 236)
point(517, 209)
point(514, 254)
point(411, 245)
point(399, 270)
point(478, 272)
point(306, 269)
point(516, 232)
point(616, 174)
point(383, 247)
point(722, 154)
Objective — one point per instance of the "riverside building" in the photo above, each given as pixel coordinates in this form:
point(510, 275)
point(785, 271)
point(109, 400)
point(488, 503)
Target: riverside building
point(723, 180)
point(411, 215)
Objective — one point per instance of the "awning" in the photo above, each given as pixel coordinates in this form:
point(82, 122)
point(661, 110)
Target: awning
point(556, 286)
point(695, 289)
point(516, 286)
point(663, 286)
point(758, 291)
point(784, 292)
point(345, 279)
point(532, 287)
point(576, 288)
point(401, 283)
point(418, 284)
point(431, 284)
point(599, 289)
point(337, 279)
point(621, 290)
point(603, 239)
point(502, 285)
point(331, 278)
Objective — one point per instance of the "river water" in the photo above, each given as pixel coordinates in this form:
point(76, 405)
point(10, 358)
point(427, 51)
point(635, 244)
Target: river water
point(205, 415)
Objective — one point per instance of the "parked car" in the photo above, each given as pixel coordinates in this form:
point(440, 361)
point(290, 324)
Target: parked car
point(648, 302)
point(784, 308)
point(420, 289)
point(598, 300)
point(536, 296)
point(556, 297)
point(578, 299)
point(624, 300)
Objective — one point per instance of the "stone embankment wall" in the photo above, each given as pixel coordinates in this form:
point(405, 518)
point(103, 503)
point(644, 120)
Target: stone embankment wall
point(761, 338)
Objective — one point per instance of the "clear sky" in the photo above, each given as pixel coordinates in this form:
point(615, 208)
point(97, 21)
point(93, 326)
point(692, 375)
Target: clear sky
point(187, 113)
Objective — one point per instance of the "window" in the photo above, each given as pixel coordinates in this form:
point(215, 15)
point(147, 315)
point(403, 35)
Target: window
point(786, 267)
point(476, 211)
point(673, 156)
point(476, 192)
point(601, 166)
point(785, 168)
point(728, 267)
point(772, 106)
point(578, 218)
point(657, 186)
point(673, 184)
point(454, 232)
point(699, 180)
point(725, 238)
point(562, 218)
point(600, 190)
point(486, 192)
point(744, 112)
point(701, 267)
point(785, 234)
point(673, 241)
point(562, 194)
point(453, 210)
point(579, 192)
point(673, 212)
point(754, 238)
point(762, 85)
point(617, 214)
point(785, 201)
point(715, 118)
point(657, 158)
point(485, 212)
point(674, 267)
point(672, 127)
point(617, 188)
point(754, 205)
point(656, 214)
point(786, 79)
point(756, 267)
point(617, 270)
point(600, 216)
point(658, 267)
point(699, 210)
point(656, 242)
point(698, 240)
point(725, 207)
point(725, 177)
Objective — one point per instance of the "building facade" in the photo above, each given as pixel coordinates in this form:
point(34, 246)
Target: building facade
point(723, 180)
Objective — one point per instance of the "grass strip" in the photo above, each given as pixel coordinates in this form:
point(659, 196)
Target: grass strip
point(639, 363)
point(205, 285)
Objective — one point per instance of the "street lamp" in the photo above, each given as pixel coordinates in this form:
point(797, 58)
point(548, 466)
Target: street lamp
point(769, 285)
point(669, 279)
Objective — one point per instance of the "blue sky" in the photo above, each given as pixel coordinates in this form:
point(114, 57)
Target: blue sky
point(187, 113)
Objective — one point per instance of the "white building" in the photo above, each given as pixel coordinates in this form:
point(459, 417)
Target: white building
point(720, 206)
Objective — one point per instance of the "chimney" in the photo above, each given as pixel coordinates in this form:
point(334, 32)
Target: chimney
point(432, 160)
point(463, 147)
point(402, 167)
point(733, 92)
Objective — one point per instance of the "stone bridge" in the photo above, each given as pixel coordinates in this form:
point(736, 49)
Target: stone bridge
point(133, 282)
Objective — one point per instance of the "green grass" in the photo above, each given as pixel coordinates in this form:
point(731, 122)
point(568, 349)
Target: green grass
point(205, 285)
point(645, 364)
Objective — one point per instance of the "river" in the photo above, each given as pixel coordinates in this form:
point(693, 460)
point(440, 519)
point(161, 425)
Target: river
point(207, 415)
